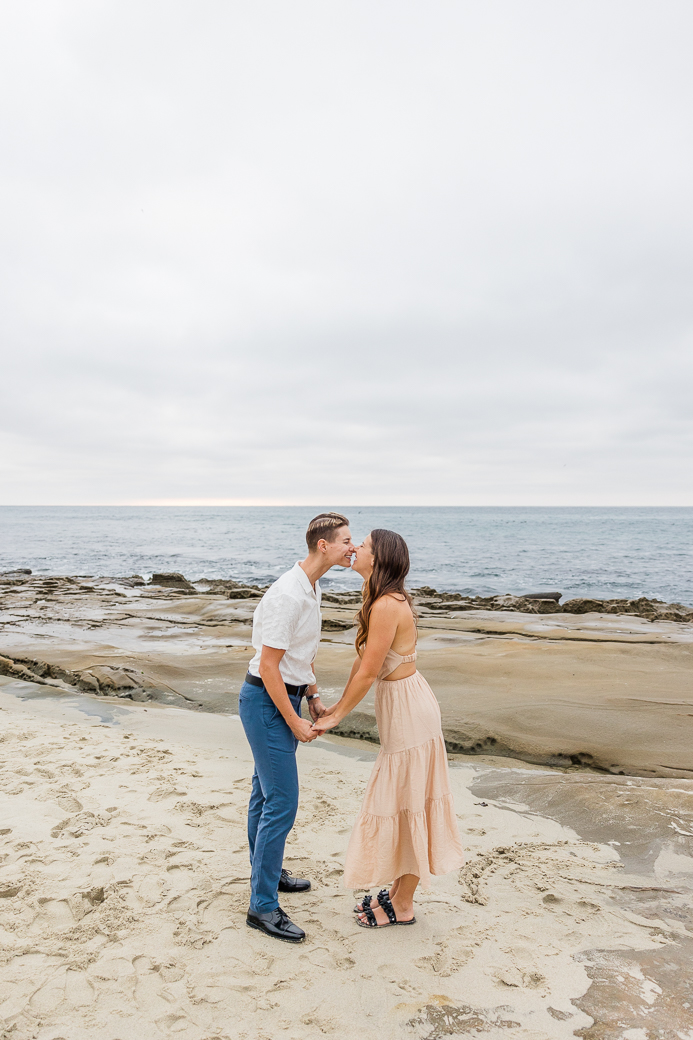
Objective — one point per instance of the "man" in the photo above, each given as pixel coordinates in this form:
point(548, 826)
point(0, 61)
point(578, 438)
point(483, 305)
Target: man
point(286, 634)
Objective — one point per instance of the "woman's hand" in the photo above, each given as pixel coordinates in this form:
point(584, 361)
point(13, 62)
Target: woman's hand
point(324, 723)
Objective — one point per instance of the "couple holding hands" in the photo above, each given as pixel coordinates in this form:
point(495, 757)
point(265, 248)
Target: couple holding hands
point(407, 828)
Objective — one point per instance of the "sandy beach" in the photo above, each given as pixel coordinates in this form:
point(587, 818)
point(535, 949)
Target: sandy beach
point(125, 885)
point(125, 778)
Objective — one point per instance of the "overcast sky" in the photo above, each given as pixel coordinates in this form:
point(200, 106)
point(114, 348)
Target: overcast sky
point(382, 252)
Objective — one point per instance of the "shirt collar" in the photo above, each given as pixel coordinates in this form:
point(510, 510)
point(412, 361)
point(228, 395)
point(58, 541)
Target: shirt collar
point(304, 580)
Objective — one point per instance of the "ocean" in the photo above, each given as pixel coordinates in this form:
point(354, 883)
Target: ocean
point(600, 552)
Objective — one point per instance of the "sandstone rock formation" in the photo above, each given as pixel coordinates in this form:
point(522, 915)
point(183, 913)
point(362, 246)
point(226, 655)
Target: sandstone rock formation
point(102, 680)
point(173, 580)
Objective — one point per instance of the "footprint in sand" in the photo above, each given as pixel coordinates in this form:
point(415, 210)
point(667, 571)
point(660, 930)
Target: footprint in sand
point(222, 911)
point(68, 803)
point(71, 987)
point(111, 968)
point(162, 794)
point(76, 826)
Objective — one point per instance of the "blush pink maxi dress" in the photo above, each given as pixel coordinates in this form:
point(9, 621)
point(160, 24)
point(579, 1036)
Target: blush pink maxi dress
point(407, 823)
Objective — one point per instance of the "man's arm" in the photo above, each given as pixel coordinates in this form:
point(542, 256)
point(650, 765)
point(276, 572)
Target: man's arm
point(315, 706)
point(274, 684)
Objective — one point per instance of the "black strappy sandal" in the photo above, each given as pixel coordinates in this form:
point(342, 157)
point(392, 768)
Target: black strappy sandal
point(389, 909)
point(367, 900)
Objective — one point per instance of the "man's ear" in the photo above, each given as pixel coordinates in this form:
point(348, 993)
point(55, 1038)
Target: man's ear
point(322, 545)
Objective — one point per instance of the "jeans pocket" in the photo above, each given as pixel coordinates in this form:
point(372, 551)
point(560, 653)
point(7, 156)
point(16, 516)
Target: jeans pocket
point(270, 711)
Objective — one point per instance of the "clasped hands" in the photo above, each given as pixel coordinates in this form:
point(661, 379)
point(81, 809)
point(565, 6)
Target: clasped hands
point(322, 718)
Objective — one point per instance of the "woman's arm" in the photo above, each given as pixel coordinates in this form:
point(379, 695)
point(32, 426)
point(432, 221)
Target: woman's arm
point(381, 634)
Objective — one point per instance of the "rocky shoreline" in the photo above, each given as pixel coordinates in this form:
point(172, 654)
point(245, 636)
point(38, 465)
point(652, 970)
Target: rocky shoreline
point(584, 684)
point(426, 599)
point(549, 603)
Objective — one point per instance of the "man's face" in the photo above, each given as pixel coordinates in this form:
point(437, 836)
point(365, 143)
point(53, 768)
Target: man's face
point(340, 551)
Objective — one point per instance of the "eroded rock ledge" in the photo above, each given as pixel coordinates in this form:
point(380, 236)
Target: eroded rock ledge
point(538, 603)
point(427, 599)
point(102, 680)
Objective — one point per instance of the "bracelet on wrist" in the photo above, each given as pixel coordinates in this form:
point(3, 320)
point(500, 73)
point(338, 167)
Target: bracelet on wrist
point(312, 696)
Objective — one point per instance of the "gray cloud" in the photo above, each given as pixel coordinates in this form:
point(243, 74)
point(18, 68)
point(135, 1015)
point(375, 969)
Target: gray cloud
point(365, 253)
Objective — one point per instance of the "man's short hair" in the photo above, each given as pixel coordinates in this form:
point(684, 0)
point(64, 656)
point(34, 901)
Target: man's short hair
point(324, 525)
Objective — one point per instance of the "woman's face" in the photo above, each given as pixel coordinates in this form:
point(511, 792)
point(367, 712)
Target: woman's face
point(363, 561)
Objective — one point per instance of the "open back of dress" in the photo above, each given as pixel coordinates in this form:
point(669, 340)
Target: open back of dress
point(393, 660)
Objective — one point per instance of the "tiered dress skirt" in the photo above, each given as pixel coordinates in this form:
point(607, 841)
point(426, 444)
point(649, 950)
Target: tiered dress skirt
point(407, 823)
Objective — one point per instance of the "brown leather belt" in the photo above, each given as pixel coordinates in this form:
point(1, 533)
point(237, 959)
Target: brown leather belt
point(295, 691)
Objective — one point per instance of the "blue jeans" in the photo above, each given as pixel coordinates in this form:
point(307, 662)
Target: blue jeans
point(274, 797)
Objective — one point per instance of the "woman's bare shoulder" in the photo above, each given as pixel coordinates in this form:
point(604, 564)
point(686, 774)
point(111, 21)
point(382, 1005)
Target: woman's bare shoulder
point(390, 604)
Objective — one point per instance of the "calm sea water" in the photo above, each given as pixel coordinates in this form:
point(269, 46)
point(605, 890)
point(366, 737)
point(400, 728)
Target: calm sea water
point(581, 552)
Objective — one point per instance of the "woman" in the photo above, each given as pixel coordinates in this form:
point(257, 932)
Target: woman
point(407, 829)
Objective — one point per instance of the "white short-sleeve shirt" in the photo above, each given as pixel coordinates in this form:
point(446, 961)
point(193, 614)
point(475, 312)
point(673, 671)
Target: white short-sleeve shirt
point(288, 618)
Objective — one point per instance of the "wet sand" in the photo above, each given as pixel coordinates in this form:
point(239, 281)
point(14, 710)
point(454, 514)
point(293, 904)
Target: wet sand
point(125, 884)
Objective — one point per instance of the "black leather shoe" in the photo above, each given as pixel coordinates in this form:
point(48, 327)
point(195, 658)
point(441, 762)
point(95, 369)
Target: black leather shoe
point(289, 883)
point(276, 924)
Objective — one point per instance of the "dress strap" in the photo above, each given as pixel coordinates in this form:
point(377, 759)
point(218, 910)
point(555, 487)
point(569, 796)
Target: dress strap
point(393, 660)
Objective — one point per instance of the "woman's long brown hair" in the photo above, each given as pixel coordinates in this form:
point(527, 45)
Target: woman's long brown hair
point(390, 568)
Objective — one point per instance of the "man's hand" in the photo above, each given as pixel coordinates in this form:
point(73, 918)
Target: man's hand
point(316, 708)
point(303, 730)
